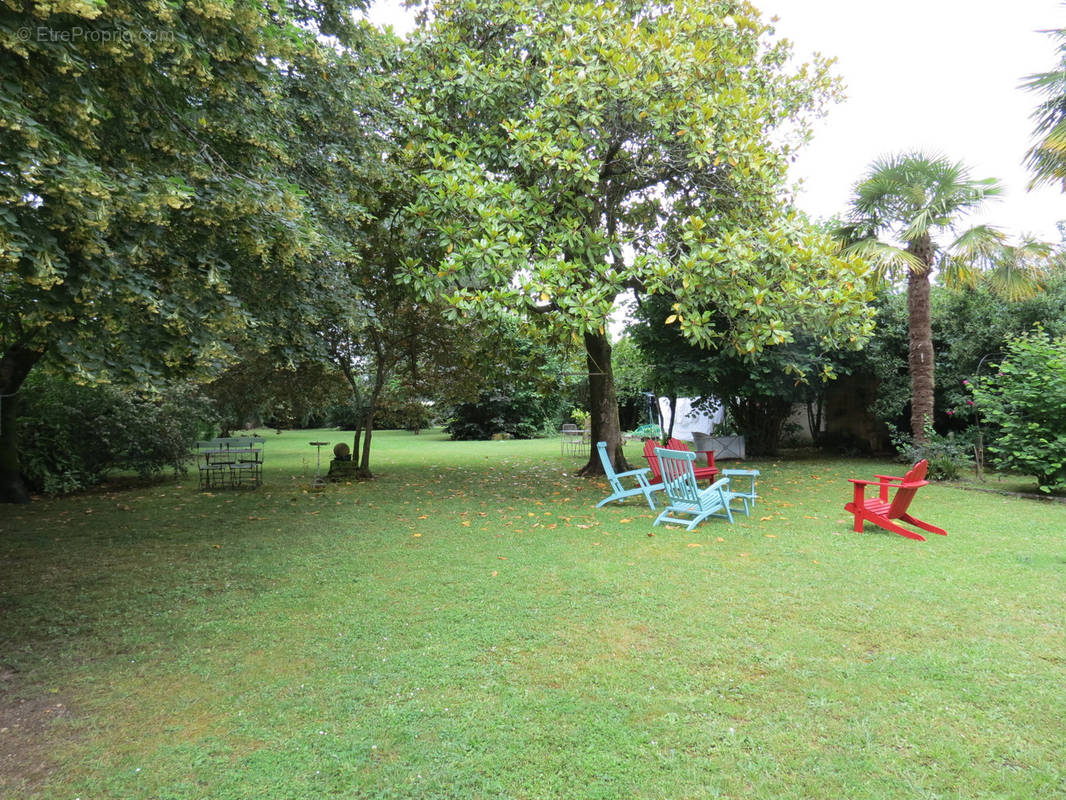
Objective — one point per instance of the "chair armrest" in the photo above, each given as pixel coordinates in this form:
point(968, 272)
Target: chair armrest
point(626, 474)
point(708, 455)
point(857, 481)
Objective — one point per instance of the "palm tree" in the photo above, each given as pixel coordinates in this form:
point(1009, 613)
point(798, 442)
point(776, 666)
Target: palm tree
point(899, 211)
point(1047, 158)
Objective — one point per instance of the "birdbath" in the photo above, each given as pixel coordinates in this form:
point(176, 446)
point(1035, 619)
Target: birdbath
point(319, 481)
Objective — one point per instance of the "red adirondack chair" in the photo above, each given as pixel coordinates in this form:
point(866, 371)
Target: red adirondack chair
point(676, 444)
point(881, 512)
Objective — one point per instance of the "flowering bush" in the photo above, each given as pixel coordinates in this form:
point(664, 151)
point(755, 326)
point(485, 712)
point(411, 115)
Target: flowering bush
point(1026, 402)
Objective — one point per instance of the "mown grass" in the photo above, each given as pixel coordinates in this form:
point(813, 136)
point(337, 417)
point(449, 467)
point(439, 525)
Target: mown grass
point(469, 625)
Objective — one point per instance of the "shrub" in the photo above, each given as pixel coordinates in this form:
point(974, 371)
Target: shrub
point(72, 436)
point(522, 413)
point(1025, 401)
point(947, 455)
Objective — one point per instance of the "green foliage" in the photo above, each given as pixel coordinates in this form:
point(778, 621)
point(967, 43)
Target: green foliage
point(149, 184)
point(1025, 400)
point(948, 456)
point(175, 175)
point(521, 391)
point(398, 413)
point(1046, 159)
point(971, 328)
point(74, 435)
point(520, 412)
point(758, 390)
point(573, 152)
point(632, 378)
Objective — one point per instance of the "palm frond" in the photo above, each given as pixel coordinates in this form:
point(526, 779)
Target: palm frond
point(1046, 159)
point(914, 194)
point(885, 258)
point(978, 245)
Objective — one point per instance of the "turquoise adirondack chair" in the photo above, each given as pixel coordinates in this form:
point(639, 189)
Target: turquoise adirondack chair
point(747, 494)
point(620, 492)
point(686, 498)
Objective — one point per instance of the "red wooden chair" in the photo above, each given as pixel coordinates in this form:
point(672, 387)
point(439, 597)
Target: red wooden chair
point(707, 472)
point(881, 512)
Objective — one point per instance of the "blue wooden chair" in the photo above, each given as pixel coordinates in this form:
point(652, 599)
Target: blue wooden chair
point(747, 494)
point(686, 498)
point(620, 492)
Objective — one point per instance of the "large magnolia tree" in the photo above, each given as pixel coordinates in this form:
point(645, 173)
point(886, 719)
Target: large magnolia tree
point(577, 151)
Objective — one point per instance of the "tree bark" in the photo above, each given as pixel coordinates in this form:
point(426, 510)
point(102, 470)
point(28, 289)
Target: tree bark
point(14, 367)
point(920, 357)
point(603, 406)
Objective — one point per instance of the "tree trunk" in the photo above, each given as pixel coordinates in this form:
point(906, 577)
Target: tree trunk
point(14, 367)
point(603, 405)
point(368, 434)
point(668, 434)
point(920, 356)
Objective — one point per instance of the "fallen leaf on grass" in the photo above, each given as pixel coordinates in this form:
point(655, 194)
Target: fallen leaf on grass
point(764, 519)
point(416, 535)
point(770, 535)
point(721, 539)
point(693, 544)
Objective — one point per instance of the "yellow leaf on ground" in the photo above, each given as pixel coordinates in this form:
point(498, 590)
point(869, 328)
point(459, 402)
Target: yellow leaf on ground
point(693, 544)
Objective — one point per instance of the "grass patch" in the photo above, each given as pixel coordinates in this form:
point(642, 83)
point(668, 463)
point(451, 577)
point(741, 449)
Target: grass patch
point(469, 625)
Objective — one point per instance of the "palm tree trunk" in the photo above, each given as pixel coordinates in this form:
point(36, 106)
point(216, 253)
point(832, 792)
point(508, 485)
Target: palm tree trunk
point(920, 359)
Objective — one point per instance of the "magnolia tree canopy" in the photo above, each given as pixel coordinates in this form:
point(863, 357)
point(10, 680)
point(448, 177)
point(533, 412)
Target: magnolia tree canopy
point(575, 151)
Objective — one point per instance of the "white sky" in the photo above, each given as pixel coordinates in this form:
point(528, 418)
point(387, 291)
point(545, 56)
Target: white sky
point(938, 75)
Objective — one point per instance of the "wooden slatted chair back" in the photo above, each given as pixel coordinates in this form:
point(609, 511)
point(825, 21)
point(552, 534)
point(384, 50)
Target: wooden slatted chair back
point(650, 447)
point(608, 467)
point(909, 486)
point(677, 476)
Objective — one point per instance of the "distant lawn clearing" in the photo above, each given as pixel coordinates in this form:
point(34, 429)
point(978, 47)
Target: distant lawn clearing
point(468, 625)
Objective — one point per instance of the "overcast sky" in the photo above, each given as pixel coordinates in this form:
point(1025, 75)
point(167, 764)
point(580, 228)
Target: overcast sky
point(937, 75)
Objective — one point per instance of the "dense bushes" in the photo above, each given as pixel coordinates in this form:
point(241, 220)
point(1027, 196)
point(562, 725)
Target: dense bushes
point(71, 437)
point(520, 413)
point(1026, 402)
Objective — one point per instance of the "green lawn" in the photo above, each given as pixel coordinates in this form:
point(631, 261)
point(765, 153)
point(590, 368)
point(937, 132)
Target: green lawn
point(468, 625)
